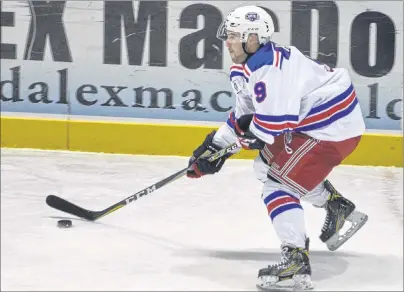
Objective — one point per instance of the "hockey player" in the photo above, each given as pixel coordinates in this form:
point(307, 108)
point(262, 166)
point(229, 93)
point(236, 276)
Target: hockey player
point(304, 118)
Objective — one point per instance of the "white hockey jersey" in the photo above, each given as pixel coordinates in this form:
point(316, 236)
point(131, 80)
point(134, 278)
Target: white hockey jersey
point(289, 92)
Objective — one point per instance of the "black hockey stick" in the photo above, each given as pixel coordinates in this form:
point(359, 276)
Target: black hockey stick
point(65, 206)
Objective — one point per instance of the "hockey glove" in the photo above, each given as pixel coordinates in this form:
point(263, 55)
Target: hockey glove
point(200, 167)
point(247, 139)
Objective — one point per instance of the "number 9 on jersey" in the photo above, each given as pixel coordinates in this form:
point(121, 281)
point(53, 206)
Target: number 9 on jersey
point(260, 91)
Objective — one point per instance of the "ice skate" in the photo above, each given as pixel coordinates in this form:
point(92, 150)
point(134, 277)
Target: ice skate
point(293, 273)
point(339, 210)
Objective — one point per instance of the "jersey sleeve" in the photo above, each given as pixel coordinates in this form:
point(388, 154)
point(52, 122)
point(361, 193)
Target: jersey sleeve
point(276, 106)
point(224, 137)
point(243, 105)
point(243, 102)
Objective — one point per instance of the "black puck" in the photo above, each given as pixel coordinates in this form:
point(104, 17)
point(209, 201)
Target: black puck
point(65, 224)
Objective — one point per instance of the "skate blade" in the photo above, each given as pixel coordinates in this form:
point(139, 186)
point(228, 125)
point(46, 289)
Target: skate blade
point(298, 283)
point(273, 288)
point(358, 219)
point(291, 289)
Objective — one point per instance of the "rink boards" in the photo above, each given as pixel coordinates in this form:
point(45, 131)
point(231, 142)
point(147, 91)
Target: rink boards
point(157, 139)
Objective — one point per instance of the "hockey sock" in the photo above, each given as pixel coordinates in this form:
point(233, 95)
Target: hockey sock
point(287, 217)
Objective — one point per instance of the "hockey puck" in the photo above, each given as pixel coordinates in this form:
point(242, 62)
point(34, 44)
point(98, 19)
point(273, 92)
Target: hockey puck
point(65, 224)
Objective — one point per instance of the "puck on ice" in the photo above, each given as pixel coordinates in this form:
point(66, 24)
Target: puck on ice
point(64, 223)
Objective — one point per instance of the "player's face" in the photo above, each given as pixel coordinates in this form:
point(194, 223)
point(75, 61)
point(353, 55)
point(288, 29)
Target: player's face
point(235, 47)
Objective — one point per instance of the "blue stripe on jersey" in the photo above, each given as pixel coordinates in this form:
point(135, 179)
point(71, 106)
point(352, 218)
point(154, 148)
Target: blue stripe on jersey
point(283, 118)
point(231, 120)
point(229, 124)
point(331, 102)
point(236, 73)
point(330, 120)
point(272, 133)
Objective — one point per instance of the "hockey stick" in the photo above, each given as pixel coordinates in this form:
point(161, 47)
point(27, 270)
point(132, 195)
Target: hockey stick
point(68, 207)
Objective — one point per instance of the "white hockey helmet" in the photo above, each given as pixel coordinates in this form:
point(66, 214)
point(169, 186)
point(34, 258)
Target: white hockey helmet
point(246, 20)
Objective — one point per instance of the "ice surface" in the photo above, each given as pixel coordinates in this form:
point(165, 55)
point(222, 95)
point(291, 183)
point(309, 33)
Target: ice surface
point(208, 234)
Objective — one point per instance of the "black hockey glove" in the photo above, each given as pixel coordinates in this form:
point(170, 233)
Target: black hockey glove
point(200, 167)
point(247, 139)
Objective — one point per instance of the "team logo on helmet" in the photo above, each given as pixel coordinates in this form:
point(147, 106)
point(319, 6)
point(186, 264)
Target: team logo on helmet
point(252, 16)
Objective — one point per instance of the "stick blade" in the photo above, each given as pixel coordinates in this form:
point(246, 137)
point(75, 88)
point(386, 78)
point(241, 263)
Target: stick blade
point(67, 207)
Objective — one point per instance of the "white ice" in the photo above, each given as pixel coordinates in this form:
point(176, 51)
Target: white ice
point(208, 234)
